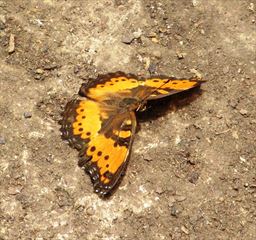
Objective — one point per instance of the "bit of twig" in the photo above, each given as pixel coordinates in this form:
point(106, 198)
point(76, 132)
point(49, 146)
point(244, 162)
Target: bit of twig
point(225, 131)
point(11, 47)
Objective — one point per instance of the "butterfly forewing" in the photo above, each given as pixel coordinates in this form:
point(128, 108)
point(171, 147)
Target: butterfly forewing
point(110, 83)
point(162, 87)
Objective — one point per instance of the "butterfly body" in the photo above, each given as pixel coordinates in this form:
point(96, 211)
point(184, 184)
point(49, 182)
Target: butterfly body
point(102, 124)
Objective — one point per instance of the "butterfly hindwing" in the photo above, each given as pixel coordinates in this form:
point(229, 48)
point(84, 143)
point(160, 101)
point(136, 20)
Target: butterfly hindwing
point(106, 156)
point(103, 137)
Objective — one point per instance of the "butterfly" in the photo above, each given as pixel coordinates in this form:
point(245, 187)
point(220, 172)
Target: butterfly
point(101, 123)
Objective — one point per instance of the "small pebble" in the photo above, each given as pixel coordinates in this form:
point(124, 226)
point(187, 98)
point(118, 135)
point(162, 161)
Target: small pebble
point(157, 54)
point(38, 77)
point(50, 66)
point(235, 135)
point(195, 3)
point(152, 68)
point(118, 2)
point(2, 22)
point(179, 55)
point(146, 42)
point(147, 62)
point(184, 229)
point(226, 69)
point(233, 103)
point(175, 211)
point(152, 34)
point(193, 177)
point(251, 7)
point(192, 161)
point(137, 34)
point(171, 201)
point(2, 26)
point(39, 71)
point(2, 140)
point(13, 190)
point(128, 38)
point(196, 72)
point(76, 69)
point(159, 190)
point(90, 211)
point(2, 19)
point(154, 40)
point(147, 157)
point(221, 199)
point(180, 198)
point(243, 112)
point(27, 114)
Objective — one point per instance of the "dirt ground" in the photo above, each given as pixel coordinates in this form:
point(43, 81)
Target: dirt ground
point(192, 171)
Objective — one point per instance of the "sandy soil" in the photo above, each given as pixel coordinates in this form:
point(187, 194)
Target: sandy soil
point(194, 179)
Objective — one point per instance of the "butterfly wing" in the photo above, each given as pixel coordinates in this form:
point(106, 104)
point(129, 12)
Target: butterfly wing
point(74, 125)
point(162, 87)
point(114, 83)
point(149, 88)
point(104, 139)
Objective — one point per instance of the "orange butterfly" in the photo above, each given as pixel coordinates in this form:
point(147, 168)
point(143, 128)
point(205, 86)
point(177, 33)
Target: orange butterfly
point(102, 124)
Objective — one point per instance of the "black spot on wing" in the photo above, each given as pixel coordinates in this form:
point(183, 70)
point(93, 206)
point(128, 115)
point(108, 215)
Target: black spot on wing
point(103, 190)
point(68, 118)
